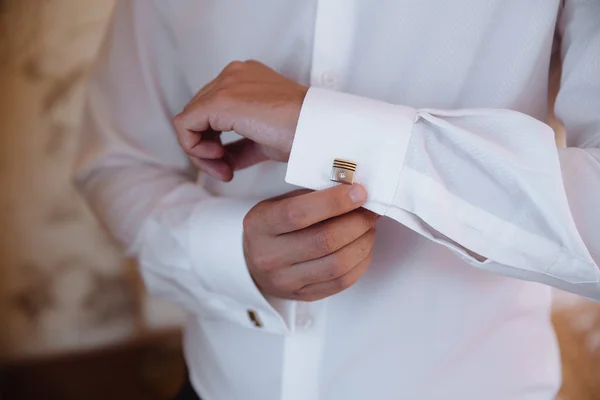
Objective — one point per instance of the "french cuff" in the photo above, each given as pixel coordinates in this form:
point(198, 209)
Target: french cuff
point(370, 133)
point(217, 255)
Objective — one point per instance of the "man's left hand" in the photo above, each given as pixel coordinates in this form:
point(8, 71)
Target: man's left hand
point(251, 99)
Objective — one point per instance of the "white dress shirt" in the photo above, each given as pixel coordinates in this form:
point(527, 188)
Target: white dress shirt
point(442, 105)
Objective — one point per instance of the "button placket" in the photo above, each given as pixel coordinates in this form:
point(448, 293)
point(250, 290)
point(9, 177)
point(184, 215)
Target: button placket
point(333, 42)
point(304, 321)
point(329, 79)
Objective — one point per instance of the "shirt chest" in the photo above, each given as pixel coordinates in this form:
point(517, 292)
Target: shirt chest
point(422, 53)
point(433, 54)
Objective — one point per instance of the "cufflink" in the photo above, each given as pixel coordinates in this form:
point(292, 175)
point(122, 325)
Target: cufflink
point(254, 319)
point(343, 171)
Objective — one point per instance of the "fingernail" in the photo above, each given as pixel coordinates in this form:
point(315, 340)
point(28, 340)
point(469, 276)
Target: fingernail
point(357, 194)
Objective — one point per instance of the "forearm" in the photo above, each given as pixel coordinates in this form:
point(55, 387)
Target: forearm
point(485, 183)
point(188, 243)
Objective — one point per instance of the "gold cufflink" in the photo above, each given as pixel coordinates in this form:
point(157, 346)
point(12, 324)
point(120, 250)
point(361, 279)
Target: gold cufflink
point(254, 318)
point(343, 171)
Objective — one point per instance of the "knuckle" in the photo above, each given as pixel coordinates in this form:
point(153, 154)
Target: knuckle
point(178, 120)
point(293, 216)
point(369, 221)
point(179, 123)
point(335, 267)
point(325, 240)
point(342, 283)
point(249, 221)
point(266, 261)
point(282, 283)
point(364, 249)
point(363, 221)
point(233, 67)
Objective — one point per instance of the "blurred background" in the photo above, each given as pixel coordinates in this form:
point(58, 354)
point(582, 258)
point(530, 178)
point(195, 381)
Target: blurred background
point(75, 322)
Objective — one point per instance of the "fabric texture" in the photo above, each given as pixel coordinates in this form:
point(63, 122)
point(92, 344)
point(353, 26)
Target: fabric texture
point(443, 105)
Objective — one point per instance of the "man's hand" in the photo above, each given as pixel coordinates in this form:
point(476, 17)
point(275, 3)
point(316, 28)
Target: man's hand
point(250, 99)
point(309, 245)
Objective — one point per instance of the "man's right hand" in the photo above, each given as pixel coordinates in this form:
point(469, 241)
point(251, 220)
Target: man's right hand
point(309, 245)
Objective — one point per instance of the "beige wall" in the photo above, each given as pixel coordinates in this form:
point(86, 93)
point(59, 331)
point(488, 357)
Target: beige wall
point(63, 284)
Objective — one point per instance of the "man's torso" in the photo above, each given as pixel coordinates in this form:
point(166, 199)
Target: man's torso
point(420, 324)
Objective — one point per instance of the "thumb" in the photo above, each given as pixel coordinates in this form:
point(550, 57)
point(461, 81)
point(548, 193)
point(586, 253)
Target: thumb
point(244, 153)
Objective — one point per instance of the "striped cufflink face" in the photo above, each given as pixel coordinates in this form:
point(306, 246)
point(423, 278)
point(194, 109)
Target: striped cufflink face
point(343, 171)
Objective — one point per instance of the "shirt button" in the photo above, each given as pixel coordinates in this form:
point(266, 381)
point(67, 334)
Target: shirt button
point(304, 321)
point(329, 79)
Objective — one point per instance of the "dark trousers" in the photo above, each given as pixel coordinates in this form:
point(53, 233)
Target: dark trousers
point(187, 392)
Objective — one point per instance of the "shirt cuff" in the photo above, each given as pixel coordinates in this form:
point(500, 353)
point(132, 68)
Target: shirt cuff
point(216, 250)
point(371, 133)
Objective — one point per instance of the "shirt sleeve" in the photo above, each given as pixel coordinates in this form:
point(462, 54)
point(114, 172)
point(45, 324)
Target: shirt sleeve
point(140, 184)
point(489, 184)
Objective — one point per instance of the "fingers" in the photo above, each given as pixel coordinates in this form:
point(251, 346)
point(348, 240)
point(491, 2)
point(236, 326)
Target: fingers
point(208, 150)
point(202, 115)
point(201, 144)
point(311, 260)
point(194, 141)
point(241, 154)
point(299, 212)
point(244, 153)
point(251, 99)
point(198, 115)
point(322, 290)
point(218, 169)
point(293, 193)
point(189, 136)
point(207, 153)
point(326, 237)
point(195, 117)
point(207, 145)
point(331, 266)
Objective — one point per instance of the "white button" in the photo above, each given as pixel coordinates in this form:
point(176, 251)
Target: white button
point(329, 79)
point(304, 321)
